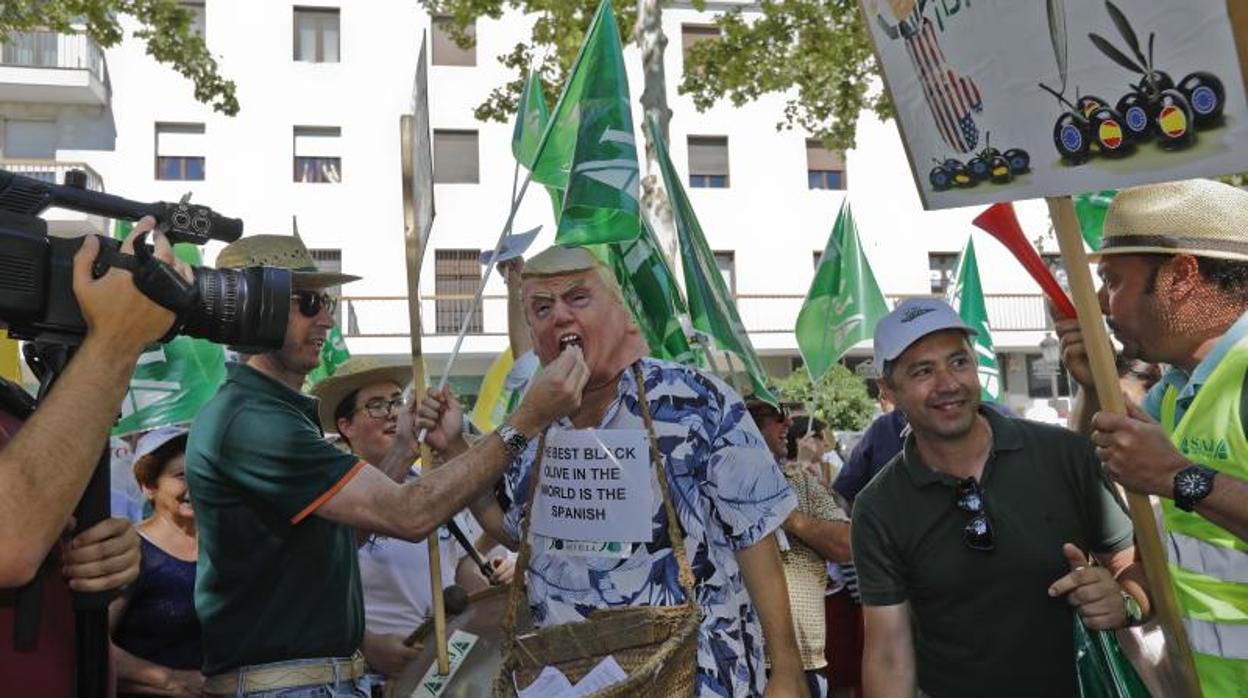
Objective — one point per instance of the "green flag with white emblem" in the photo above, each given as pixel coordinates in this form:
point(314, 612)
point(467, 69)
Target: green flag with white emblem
point(171, 381)
point(531, 119)
point(710, 303)
point(651, 292)
point(588, 148)
point(333, 354)
point(844, 301)
point(966, 295)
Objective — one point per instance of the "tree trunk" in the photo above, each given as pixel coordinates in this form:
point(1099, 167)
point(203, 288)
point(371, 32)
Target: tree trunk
point(654, 201)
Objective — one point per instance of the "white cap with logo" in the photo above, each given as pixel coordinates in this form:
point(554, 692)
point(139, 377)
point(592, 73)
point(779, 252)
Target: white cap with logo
point(912, 320)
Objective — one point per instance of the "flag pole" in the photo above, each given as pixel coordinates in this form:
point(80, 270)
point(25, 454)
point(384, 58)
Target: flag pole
point(413, 238)
point(476, 301)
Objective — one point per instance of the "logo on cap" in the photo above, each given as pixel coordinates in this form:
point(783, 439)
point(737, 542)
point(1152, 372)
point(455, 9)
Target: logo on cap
point(912, 314)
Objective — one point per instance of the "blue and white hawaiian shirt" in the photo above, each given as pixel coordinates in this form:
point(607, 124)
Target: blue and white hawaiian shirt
point(729, 494)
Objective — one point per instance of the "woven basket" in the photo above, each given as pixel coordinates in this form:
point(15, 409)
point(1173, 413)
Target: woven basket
point(656, 646)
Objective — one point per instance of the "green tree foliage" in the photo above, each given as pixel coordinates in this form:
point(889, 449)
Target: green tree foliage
point(165, 26)
point(840, 399)
point(819, 48)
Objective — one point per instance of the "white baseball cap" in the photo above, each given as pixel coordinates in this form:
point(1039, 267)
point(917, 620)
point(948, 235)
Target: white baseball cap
point(156, 438)
point(912, 320)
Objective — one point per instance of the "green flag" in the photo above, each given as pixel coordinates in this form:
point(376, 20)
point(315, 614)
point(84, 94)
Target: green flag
point(710, 303)
point(1091, 209)
point(652, 295)
point(170, 384)
point(966, 295)
point(844, 301)
point(333, 354)
point(172, 381)
point(531, 119)
point(588, 148)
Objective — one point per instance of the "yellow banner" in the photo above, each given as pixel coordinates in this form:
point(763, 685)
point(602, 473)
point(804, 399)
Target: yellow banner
point(9, 367)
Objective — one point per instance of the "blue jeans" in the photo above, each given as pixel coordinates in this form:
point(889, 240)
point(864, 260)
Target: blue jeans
point(817, 683)
point(343, 688)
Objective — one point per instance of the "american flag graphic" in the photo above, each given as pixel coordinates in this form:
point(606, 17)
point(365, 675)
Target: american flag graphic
point(950, 98)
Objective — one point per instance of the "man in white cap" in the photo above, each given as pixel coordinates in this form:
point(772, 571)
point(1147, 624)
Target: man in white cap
point(966, 540)
point(361, 403)
point(728, 491)
point(1174, 273)
point(277, 585)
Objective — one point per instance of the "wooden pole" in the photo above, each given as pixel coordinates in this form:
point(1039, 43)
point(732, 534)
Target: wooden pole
point(412, 238)
point(1105, 375)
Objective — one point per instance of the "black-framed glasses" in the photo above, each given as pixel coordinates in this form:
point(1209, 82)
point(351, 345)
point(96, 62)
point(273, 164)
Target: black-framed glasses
point(378, 408)
point(977, 532)
point(310, 303)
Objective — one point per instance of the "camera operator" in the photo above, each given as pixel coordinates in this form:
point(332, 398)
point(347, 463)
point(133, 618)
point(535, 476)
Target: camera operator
point(45, 467)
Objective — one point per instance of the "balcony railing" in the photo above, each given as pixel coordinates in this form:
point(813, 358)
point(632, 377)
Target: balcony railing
point(52, 171)
point(45, 49)
point(761, 313)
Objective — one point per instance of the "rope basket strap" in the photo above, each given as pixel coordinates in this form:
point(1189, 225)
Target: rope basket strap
point(676, 540)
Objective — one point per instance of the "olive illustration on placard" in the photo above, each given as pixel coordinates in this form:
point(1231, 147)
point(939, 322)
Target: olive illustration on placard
point(988, 164)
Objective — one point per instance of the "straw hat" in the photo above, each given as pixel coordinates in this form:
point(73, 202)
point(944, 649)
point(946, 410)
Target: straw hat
point(1199, 217)
point(285, 251)
point(356, 373)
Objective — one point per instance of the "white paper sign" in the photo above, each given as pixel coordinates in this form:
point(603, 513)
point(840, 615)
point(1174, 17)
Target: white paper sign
point(595, 486)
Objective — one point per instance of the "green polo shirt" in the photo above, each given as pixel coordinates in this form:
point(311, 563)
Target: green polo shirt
point(983, 622)
point(273, 582)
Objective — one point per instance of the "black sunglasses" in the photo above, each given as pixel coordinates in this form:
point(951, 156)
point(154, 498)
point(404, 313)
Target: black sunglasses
point(977, 533)
point(310, 303)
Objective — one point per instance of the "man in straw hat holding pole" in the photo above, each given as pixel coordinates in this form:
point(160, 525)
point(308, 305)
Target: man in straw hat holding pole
point(728, 492)
point(361, 403)
point(278, 585)
point(1174, 272)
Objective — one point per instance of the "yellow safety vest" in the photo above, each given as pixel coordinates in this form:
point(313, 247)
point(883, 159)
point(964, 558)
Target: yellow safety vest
point(1209, 565)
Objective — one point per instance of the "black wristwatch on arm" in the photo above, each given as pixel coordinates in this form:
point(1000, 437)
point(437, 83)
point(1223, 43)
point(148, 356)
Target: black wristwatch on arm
point(1191, 485)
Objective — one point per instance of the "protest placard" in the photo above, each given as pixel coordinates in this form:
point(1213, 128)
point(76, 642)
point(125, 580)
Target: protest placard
point(1015, 99)
point(595, 486)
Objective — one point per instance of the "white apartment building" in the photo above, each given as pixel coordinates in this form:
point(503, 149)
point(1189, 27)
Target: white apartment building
point(322, 84)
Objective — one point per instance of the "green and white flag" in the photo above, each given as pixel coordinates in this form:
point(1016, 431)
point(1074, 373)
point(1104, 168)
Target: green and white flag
point(844, 301)
point(710, 303)
point(651, 292)
point(966, 295)
point(170, 384)
point(531, 119)
point(333, 354)
point(171, 381)
point(588, 148)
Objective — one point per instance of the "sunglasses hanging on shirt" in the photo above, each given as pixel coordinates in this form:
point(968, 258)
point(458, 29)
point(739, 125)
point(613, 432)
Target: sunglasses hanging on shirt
point(977, 532)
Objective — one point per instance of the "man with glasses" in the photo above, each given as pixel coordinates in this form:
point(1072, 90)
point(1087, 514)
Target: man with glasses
point(966, 542)
point(361, 402)
point(277, 586)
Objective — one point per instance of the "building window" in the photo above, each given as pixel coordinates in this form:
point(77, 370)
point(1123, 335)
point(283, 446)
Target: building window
point(691, 34)
point(1055, 265)
point(726, 262)
point(456, 273)
point(316, 34)
point(942, 266)
point(36, 49)
point(455, 158)
point(197, 17)
point(446, 51)
point(330, 261)
point(825, 169)
point(818, 258)
point(317, 158)
point(1040, 383)
point(708, 161)
point(179, 151)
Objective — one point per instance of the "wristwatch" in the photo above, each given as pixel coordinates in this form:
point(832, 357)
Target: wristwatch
point(1191, 485)
point(1135, 614)
point(513, 440)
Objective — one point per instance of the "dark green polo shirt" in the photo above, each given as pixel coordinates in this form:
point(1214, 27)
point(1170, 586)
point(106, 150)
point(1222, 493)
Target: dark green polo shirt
point(274, 582)
point(983, 622)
